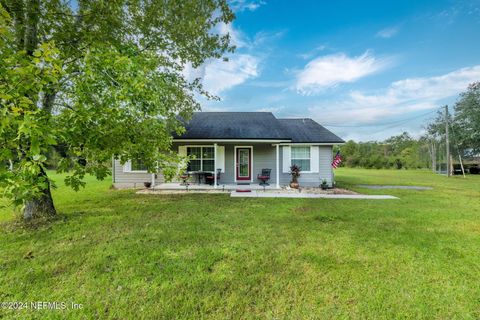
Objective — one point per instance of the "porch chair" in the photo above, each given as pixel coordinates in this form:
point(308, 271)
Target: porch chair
point(184, 177)
point(264, 177)
point(210, 178)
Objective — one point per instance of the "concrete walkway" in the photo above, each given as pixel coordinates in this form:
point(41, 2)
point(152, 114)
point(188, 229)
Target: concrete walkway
point(261, 194)
point(372, 186)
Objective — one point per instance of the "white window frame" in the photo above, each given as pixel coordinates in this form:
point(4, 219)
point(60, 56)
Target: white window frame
point(138, 171)
point(201, 158)
point(127, 168)
point(309, 159)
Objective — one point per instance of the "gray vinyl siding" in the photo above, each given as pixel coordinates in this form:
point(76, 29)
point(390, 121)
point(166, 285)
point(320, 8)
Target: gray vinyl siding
point(325, 162)
point(312, 179)
point(131, 179)
point(263, 157)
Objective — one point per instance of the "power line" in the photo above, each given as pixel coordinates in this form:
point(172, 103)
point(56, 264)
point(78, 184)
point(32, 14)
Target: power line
point(381, 124)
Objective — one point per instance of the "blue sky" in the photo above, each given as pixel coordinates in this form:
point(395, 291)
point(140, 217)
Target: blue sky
point(364, 69)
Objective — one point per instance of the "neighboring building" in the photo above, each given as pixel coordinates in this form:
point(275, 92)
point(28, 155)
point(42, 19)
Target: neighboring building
point(241, 144)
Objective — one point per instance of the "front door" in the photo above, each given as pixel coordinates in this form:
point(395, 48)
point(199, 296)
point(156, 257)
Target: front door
point(244, 165)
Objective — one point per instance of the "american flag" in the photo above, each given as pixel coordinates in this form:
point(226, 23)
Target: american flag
point(337, 160)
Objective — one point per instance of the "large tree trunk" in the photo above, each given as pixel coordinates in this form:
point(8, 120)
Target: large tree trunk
point(41, 207)
point(31, 30)
point(16, 9)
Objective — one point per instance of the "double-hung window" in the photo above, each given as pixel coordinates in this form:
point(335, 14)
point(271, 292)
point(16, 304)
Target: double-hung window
point(138, 165)
point(203, 159)
point(301, 157)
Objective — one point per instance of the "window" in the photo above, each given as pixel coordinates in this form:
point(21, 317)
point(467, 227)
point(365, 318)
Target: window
point(204, 159)
point(301, 157)
point(138, 165)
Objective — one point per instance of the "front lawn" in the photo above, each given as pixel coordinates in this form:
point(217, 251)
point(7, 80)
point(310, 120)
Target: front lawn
point(122, 255)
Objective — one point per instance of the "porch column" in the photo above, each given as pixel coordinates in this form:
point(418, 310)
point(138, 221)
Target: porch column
point(277, 167)
point(153, 176)
point(215, 165)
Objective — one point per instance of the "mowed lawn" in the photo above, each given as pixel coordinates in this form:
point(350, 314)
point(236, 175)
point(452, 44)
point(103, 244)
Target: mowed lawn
point(128, 256)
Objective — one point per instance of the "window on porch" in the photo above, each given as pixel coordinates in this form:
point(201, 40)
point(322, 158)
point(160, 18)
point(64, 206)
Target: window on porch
point(204, 159)
point(301, 157)
point(138, 165)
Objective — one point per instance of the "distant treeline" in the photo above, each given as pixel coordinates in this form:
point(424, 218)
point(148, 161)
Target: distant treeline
point(399, 152)
point(403, 151)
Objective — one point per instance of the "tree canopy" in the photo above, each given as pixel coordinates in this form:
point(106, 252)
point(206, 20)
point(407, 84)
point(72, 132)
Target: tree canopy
point(97, 79)
point(464, 123)
point(399, 152)
point(467, 119)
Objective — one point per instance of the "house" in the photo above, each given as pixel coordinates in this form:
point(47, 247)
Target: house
point(240, 145)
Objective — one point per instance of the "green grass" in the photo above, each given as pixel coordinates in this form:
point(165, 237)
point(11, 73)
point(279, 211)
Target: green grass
point(123, 255)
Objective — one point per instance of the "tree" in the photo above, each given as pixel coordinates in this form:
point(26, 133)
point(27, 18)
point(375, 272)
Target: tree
point(467, 120)
point(97, 79)
point(400, 152)
point(464, 123)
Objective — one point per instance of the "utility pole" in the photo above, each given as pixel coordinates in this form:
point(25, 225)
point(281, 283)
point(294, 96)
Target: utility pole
point(447, 142)
point(434, 157)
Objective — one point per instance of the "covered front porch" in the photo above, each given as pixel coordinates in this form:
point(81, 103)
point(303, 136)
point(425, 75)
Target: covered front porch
point(227, 165)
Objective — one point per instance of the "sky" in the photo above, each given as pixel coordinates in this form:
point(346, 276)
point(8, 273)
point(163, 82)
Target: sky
point(366, 70)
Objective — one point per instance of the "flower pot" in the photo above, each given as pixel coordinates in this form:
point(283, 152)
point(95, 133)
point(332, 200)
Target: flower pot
point(294, 185)
point(147, 184)
point(324, 186)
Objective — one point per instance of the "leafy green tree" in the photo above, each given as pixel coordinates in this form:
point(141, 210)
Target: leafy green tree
point(464, 123)
point(467, 120)
point(400, 142)
point(97, 79)
point(398, 152)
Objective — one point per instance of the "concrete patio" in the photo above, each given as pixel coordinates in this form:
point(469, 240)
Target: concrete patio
point(206, 187)
point(257, 191)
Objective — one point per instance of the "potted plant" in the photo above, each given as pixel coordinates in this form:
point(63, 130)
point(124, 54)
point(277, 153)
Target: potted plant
point(324, 184)
point(295, 173)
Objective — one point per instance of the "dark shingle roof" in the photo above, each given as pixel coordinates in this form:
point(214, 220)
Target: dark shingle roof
point(307, 130)
point(255, 125)
point(234, 125)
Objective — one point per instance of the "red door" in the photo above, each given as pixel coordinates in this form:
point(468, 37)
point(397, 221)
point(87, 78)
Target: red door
point(244, 164)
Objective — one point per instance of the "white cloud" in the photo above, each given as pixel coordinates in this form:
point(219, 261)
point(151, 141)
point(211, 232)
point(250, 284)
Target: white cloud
point(237, 38)
point(271, 109)
point(312, 53)
point(208, 108)
point(331, 70)
point(270, 84)
point(401, 97)
point(217, 75)
point(387, 32)
point(242, 5)
point(223, 75)
point(265, 38)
